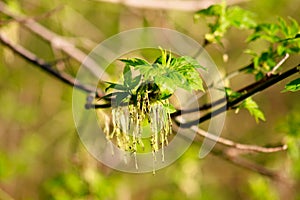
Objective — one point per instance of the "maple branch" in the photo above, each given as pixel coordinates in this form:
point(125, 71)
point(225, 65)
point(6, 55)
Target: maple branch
point(232, 157)
point(47, 67)
point(247, 91)
point(239, 146)
point(57, 41)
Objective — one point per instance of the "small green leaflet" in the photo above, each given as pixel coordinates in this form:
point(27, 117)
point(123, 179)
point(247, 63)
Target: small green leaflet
point(134, 61)
point(187, 60)
point(169, 108)
point(231, 95)
point(121, 96)
point(213, 10)
point(248, 104)
point(224, 18)
point(129, 83)
point(280, 31)
point(115, 86)
point(292, 86)
point(240, 18)
point(253, 109)
point(127, 75)
point(234, 15)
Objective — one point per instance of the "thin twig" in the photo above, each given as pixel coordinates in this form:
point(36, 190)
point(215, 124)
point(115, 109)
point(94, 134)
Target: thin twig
point(4, 195)
point(232, 155)
point(244, 163)
point(32, 58)
point(239, 146)
point(39, 17)
point(237, 72)
point(279, 64)
point(58, 42)
point(190, 5)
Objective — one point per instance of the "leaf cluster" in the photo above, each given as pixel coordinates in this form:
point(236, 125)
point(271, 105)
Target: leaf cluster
point(224, 18)
point(283, 38)
point(283, 35)
point(248, 104)
point(160, 79)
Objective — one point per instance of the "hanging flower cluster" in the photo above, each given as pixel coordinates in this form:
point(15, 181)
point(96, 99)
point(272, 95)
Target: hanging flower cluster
point(143, 99)
point(128, 122)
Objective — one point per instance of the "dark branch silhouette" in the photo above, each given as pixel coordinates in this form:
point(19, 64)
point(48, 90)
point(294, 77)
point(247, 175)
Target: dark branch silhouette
point(45, 66)
point(249, 91)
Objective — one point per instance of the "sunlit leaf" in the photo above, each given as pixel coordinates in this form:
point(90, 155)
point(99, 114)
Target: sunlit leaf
point(169, 108)
point(283, 26)
point(214, 10)
point(127, 74)
point(292, 86)
point(253, 109)
point(191, 61)
point(121, 96)
point(240, 18)
point(134, 82)
point(134, 61)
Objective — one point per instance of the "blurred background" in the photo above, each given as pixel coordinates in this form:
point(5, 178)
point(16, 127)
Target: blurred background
point(41, 156)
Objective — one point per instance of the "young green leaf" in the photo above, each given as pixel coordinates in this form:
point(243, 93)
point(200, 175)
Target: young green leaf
point(127, 75)
point(166, 84)
point(192, 62)
point(121, 96)
point(225, 17)
point(134, 82)
point(253, 109)
point(109, 96)
point(231, 94)
point(292, 86)
point(169, 108)
point(115, 86)
point(240, 18)
point(134, 62)
point(214, 10)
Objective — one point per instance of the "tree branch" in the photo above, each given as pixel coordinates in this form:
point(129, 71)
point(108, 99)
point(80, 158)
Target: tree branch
point(57, 41)
point(248, 91)
point(33, 59)
point(230, 156)
point(39, 17)
point(229, 76)
point(238, 146)
point(190, 5)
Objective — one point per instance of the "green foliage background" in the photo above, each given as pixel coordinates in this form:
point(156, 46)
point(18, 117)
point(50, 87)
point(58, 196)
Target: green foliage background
point(41, 156)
